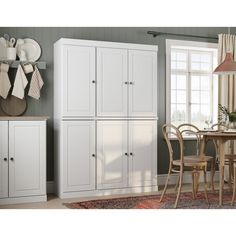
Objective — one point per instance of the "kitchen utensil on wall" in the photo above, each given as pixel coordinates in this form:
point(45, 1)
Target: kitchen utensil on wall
point(11, 53)
point(12, 42)
point(7, 38)
point(30, 47)
point(13, 106)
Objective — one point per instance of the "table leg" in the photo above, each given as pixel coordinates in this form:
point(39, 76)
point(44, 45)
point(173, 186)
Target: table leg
point(221, 157)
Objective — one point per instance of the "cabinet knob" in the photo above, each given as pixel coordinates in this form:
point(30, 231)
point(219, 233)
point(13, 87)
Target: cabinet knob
point(131, 83)
point(131, 154)
point(126, 82)
point(93, 155)
point(12, 159)
point(5, 159)
point(126, 154)
point(93, 81)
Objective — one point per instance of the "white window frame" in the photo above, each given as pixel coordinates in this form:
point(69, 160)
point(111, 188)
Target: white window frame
point(193, 45)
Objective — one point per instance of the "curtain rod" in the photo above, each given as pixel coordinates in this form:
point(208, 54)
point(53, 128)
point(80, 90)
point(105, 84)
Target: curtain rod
point(155, 34)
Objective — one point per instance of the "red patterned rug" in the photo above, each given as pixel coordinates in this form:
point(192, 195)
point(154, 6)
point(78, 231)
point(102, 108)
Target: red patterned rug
point(152, 202)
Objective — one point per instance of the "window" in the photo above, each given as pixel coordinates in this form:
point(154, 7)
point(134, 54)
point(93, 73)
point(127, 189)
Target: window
point(191, 88)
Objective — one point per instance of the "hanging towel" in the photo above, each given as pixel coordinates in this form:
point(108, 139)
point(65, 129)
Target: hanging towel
point(20, 83)
point(5, 84)
point(36, 84)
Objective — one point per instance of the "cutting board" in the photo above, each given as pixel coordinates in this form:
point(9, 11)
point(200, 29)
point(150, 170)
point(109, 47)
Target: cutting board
point(13, 106)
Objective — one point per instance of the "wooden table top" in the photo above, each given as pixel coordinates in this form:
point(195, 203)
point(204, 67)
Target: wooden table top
point(218, 133)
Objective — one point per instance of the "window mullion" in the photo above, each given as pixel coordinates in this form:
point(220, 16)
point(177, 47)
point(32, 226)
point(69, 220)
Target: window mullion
point(188, 102)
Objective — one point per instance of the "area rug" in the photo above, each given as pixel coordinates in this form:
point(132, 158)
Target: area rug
point(152, 202)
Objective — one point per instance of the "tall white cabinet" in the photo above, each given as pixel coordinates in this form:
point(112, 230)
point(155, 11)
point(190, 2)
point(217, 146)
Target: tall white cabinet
point(22, 160)
point(105, 117)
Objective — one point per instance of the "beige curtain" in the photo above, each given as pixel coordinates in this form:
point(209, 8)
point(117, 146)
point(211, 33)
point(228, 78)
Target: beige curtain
point(227, 83)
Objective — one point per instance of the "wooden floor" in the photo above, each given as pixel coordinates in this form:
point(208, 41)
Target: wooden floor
point(54, 202)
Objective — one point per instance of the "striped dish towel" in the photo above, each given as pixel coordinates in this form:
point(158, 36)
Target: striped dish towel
point(5, 84)
point(36, 84)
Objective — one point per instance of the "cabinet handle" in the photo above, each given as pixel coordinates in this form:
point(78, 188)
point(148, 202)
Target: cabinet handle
point(12, 159)
point(126, 82)
point(93, 155)
point(131, 154)
point(126, 154)
point(5, 159)
point(93, 81)
point(131, 83)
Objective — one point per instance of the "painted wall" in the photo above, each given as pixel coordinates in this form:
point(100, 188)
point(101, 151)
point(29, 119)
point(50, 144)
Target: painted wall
point(46, 38)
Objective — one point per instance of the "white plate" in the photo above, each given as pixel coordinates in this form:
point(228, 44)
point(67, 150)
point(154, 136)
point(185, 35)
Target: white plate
point(31, 48)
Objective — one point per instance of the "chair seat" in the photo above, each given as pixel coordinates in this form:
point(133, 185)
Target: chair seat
point(191, 162)
point(206, 158)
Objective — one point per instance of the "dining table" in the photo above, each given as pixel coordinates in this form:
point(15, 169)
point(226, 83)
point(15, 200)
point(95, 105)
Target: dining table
point(221, 137)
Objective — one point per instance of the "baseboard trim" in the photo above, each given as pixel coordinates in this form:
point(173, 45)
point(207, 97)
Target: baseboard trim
point(50, 187)
point(161, 179)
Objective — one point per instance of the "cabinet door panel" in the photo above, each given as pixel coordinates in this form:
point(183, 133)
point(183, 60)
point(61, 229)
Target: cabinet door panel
point(143, 146)
point(111, 78)
point(78, 160)
point(111, 158)
point(3, 155)
point(78, 76)
point(143, 83)
point(27, 147)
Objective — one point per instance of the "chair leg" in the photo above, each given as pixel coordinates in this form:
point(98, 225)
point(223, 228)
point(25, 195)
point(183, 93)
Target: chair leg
point(205, 185)
point(166, 184)
point(180, 186)
point(197, 182)
point(193, 184)
point(212, 174)
point(230, 174)
point(234, 189)
point(177, 183)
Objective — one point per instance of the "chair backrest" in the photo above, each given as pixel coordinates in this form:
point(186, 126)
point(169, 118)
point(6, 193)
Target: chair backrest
point(191, 130)
point(171, 132)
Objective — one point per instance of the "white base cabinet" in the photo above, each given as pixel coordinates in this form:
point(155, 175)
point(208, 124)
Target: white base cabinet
point(22, 161)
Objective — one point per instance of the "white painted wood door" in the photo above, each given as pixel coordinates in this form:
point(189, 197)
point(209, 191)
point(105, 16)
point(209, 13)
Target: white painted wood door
point(142, 83)
point(111, 154)
point(78, 155)
point(78, 81)
point(142, 153)
point(112, 82)
point(3, 159)
point(27, 158)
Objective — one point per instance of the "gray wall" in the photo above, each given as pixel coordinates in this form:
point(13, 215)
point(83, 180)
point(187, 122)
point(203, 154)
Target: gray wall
point(46, 38)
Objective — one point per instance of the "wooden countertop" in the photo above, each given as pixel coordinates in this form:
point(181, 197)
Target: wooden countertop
point(24, 118)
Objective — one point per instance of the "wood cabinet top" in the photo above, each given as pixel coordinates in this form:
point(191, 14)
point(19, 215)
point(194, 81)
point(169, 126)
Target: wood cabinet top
point(24, 118)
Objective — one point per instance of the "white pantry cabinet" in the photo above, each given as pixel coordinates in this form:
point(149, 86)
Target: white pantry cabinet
point(105, 118)
point(22, 161)
point(79, 155)
point(126, 154)
point(79, 81)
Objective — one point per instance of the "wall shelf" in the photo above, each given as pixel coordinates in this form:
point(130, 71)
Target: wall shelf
point(15, 64)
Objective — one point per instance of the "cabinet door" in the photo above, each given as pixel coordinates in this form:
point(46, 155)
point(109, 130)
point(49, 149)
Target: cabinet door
point(27, 158)
point(111, 82)
point(142, 153)
point(111, 158)
point(78, 159)
point(142, 83)
point(78, 81)
point(3, 159)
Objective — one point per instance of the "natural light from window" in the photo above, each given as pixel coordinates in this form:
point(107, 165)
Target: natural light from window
point(191, 88)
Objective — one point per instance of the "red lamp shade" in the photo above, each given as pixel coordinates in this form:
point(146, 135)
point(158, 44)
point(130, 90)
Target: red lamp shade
point(228, 66)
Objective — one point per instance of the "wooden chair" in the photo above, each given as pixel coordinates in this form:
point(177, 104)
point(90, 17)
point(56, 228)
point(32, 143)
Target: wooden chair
point(182, 164)
point(230, 159)
point(192, 130)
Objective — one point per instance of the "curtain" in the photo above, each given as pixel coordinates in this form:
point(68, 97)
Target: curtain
point(227, 83)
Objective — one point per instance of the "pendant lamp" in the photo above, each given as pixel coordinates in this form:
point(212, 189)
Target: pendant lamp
point(228, 66)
